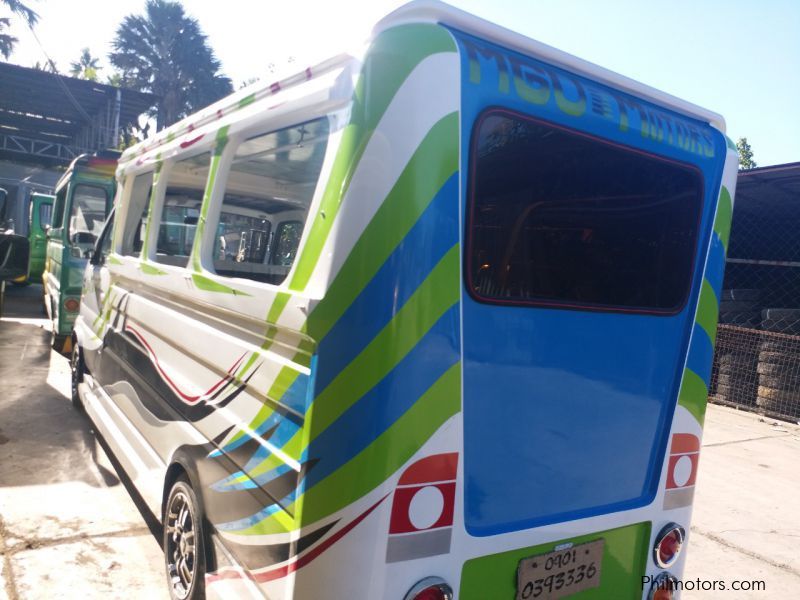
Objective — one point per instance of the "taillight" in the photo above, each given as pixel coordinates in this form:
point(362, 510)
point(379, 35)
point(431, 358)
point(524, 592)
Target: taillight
point(430, 588)
point(663, 587)
point(668, 545)
point(72, 304)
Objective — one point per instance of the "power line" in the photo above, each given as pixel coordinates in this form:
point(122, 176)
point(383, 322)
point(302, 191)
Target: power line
point(59, 78)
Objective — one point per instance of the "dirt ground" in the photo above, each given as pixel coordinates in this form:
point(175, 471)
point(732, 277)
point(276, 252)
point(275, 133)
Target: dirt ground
point(71, 528)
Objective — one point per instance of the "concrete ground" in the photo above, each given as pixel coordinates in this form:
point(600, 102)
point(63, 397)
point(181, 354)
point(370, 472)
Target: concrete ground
point(746, 521)
point(70, 527)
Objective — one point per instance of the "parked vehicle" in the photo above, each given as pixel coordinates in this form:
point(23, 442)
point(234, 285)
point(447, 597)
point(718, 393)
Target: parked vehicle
point(83, 198)
point(13, 251)
point(41, 210)
point(434, 319)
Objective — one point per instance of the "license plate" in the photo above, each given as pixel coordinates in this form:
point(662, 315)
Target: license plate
point(560, 573)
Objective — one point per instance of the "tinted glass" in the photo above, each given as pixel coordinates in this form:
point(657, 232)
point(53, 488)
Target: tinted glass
point(560, 218)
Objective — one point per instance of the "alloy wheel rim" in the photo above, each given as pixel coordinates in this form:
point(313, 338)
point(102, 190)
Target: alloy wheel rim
point(180, 551)
point(74, 369)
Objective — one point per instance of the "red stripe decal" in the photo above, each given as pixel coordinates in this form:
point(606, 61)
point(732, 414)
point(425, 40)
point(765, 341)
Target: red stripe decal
point(438, 467)
point(188, 143)
point(301, 561)
point(683, 443)
point(186, 397)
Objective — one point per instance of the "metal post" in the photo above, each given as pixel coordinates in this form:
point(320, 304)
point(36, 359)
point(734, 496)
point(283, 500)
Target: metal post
point(117, 109)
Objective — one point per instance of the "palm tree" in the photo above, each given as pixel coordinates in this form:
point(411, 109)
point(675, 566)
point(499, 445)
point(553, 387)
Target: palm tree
point(166, 53)
point(7, 41)
point(85, 67)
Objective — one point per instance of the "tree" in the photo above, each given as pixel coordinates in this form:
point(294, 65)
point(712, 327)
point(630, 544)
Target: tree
point(745, 155)
point(85, 67)
point(7, 41)
point(165, 52)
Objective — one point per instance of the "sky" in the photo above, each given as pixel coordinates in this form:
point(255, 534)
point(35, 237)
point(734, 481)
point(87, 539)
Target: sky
point(738, 58)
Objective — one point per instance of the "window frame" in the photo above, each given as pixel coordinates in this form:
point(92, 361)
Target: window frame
point(126, 195)
point(74, 187)
point(216, 196)
point(159, 202)
point(469, 222)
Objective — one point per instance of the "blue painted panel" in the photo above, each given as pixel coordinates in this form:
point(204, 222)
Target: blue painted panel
point(416, 255)
point(565, 411)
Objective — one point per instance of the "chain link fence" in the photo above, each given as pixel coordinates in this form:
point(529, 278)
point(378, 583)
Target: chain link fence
point(757, 358)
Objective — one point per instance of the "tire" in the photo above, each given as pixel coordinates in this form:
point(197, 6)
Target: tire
point(779, 406)
point(58, 342)
point(773, 370)
point(785, 346)
point(737, 306)
point(777, 358)
point(781, 320)
point(184, 543)
point(780, 382)
point(76, 372)
point(743, 295)
point(742, 318)
point(779, 394)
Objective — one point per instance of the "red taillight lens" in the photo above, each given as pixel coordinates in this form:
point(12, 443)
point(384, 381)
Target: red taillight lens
point(72, 304)
point(668, 545)
point(430, 588)
point(663, 587)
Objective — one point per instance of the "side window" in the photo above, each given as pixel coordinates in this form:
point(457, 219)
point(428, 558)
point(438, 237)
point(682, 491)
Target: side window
point(87, 214)
point(272, 181)
point(136, 223)
point(287, 239)
point(182, 201)
point(45, 213)
point(58, 209)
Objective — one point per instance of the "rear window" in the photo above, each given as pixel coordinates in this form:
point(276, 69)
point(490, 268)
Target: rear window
point(562, 219)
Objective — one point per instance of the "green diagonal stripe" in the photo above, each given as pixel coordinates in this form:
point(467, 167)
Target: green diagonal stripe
point(428, 303)
point(390, 60)
point(209, 285)
point(722, 221)
point(708, 311)
point(433, 163)
point(693, 395)
point(373, 465)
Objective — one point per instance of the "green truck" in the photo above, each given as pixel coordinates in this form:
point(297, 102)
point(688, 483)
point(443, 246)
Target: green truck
point(83, 199)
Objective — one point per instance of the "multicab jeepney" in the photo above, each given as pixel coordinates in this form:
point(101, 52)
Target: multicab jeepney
point(83, 198)
point(431, 320)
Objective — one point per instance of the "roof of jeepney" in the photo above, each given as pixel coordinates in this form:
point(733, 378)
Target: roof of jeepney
point(421, 11)
point(433, 11)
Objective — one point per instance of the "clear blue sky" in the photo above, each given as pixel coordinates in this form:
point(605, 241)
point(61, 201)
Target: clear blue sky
point(739, 58)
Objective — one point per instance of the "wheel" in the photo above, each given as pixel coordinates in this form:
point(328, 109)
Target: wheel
point(76, 370)
point(184, 548)
point(58, 342)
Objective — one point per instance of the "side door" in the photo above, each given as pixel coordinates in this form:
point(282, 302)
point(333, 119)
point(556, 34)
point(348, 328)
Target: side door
point(93, 311)
point(41, 213)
